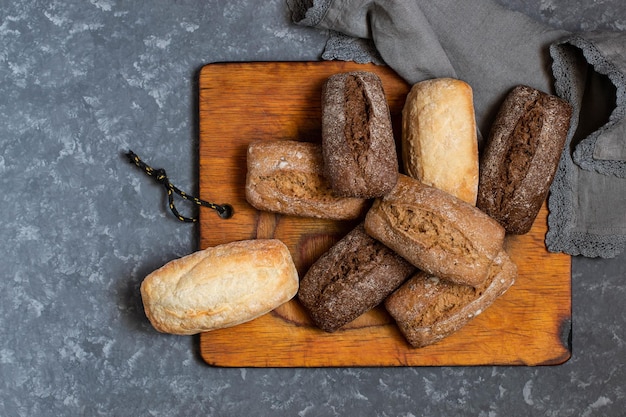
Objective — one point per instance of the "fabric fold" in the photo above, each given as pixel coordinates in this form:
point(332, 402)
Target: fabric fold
point(587, 214)
point(604, 150)
point(494, 49)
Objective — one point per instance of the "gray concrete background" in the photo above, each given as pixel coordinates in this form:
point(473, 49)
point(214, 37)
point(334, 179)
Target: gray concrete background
point(83, 81)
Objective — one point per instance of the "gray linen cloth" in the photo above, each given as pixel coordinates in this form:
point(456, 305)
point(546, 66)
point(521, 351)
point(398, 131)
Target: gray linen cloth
point(494, 49)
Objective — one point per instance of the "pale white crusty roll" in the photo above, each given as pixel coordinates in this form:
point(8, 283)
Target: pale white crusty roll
point(439, 140)
point(220, 286)
point(436, 231)
point(287, 177)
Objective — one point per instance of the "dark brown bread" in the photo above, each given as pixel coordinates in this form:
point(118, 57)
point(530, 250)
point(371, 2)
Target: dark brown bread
point(357, 138)
point(521, 157)
point(287, 177)
point(427, 309)
point(435, 231)
point(354, 276)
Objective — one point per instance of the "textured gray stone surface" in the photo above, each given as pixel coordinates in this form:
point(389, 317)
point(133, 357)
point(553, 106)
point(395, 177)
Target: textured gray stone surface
point(83, 81)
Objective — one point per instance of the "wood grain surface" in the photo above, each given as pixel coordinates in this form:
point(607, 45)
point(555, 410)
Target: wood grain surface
point(244, 102)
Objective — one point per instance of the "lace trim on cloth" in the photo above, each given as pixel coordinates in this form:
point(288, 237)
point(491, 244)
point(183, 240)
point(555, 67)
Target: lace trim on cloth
point(569, 70)
point(586, 152)
point(308, 12)
point(339, 47)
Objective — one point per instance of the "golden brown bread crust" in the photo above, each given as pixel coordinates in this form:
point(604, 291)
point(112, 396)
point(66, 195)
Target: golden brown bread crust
point(354, 276)
point(521, 157)
point(288, 177)
point(435, 231)
point(439, 140)
point(357, 138)
point(428, 309)
point(220, 286)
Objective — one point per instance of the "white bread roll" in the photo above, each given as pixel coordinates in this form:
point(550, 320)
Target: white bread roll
point(439, 140)
point(219, 287)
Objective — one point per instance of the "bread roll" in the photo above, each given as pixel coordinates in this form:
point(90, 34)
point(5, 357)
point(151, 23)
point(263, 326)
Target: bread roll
point(357, 138)
point(288, 177)
point(439, 140)
point(220, 286)
point(427, 309)
point(354, 276)
point(521, 157)
point(435, 231)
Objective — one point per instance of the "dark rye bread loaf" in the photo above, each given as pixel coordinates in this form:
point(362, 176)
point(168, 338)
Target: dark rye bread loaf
point(428, 309)
point(287, 177)
point(435, 231)
point(357, 138)
point(354, 276)
point(521, 157)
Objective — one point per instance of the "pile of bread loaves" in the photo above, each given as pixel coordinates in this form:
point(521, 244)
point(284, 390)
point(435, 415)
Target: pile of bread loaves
point(430, 246)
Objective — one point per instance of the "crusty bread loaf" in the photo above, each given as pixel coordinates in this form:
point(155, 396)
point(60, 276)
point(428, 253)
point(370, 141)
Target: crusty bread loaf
point(220, 286)
point(354, 276)
point(435, 231)
point(357, 138)
point(427, 309)
point(288, 177)
point(439, 140)
point(521, 157)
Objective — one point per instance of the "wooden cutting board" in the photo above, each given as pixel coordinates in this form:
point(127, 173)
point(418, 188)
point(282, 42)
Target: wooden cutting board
point(244, 102)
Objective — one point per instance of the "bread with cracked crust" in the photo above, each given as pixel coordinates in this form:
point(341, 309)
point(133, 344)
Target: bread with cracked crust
point(428, 309)
point(287, 177)
point(436, 231)
point(439, 139)
point(521, 157)
point(359, 149)
point(354, 276)
point(220, 286)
